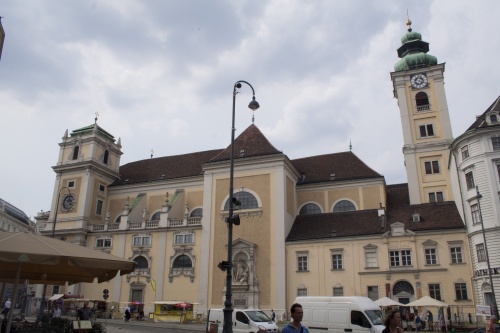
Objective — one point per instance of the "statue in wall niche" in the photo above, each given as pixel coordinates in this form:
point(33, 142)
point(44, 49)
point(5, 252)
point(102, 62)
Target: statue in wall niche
point(108, 214)
point(186, 210)
point(144, 212)
point(241, 272)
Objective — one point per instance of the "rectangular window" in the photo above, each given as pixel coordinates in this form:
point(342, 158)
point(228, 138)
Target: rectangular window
point(337, 261)
point(430, 257)
point(456, 255)
point(338, 291)
point(302, 292)
point(436, 197)
point(474, 211)
point(495, 143)
point(435, 291)
point(431, 167)
point(400, 258)
point(98, 210)
point(481, 253)
point(55, 290)
point(103, 242)
point(71, 184)
point(373, 293)
point(465, 152)
point(426, 130)
point(302, 263)
point(102, 188)
point(184, 239)
point(469, 179)
point(371, 259)
point(142, 240)
point(460, 291)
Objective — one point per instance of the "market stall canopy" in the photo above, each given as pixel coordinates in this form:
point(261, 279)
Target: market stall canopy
point(427, 301)
point(46, 260)
point(386, 301)
point(56, 297)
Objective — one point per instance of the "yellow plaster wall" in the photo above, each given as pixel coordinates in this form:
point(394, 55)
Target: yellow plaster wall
point(256, 230)
point(343, 193)
point(312, 196)
point(371, 197)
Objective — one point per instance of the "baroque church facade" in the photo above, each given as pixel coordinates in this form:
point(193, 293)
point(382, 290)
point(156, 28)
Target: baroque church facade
point(317, 225)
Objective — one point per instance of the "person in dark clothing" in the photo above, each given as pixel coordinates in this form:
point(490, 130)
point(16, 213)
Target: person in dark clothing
point(392, 322)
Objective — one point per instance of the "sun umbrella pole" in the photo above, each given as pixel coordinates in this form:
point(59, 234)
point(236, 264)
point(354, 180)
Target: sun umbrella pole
point(14, 297)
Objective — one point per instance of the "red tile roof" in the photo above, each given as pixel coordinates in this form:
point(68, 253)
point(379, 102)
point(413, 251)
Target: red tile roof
point(251, 142)
point(345, 166)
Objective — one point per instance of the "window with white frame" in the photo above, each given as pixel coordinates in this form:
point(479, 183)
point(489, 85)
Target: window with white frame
point(435, 291)
point(481, 253)
point(156, 216)
point(426, 130)
point(338, 291)
point(371, 259)
point(301, 291)
point(184, 238)
point(474, 211)
point(310, 208)
point(431, 256)
point(436, 197)
point(98, 210)
point(302, 262)
point(465, 152)
point(400, 258)
point(495, 142)
point(141, 240)
point(461, 291)
point(344, 206)
point(456, 255)
point(431, 167)
point(469, 180)
point(337, 260)
point(373, 293)
point(103, 242)
point(55, 290)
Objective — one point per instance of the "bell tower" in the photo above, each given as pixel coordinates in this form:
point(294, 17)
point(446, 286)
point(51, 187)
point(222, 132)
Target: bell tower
point(418, 83)
point(89, 161)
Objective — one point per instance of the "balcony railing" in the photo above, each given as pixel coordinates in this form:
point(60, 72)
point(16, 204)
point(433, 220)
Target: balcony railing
point(153, 224)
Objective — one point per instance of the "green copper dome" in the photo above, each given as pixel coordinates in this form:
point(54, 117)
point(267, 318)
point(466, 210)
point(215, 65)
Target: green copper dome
point(413, 52)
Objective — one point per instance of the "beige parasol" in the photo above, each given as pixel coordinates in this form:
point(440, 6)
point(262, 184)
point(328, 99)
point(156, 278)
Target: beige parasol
point(51, 261)
point(427, 301)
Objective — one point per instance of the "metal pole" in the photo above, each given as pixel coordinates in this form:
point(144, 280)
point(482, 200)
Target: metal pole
point(228, 306)
point(57, 208)
point(495, 306)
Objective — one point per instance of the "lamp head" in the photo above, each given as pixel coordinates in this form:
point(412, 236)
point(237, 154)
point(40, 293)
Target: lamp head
point(253, 105)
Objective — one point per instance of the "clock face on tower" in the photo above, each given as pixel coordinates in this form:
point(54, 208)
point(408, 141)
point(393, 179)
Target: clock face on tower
point(68, 202)
point(418, 81)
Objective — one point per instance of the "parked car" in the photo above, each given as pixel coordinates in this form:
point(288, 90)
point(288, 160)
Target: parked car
point(483, 329)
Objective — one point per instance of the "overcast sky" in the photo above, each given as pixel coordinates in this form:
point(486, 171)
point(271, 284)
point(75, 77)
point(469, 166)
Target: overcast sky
point(161, 75)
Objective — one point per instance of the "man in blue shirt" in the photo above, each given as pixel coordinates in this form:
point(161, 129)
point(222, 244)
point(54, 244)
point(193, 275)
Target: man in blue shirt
point(295, 326)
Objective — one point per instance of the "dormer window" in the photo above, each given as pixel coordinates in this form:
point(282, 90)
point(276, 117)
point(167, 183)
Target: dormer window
point(494, 118)
point(415, 217)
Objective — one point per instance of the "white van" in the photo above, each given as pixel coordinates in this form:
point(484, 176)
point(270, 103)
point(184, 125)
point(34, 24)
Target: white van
point(244, 321)
point(354, 314)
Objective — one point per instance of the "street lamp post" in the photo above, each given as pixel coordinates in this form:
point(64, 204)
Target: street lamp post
point(495, 306)
point(231, 219)
point(57, 208)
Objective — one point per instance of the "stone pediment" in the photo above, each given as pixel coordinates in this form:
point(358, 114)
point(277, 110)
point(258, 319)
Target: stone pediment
point(243, 244)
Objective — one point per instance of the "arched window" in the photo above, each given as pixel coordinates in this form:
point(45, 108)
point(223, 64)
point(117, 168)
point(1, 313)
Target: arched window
point(141, 263)
point(76, 151)
point(183, 261)
point(247, 200)
point(155, 217)
point(422, 101)
point(198, 212)
point(106, 156)
point(343, 206)
point(118, 219)
point(310, 208)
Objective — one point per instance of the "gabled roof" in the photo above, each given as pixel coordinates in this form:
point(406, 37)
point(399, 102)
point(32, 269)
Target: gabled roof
point(481, 120)
point(345, 166)
point(433, 216)
point(168, 167)
point(251, 142)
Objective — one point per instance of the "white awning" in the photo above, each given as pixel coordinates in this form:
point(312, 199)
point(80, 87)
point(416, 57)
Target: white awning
point(56, 297)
